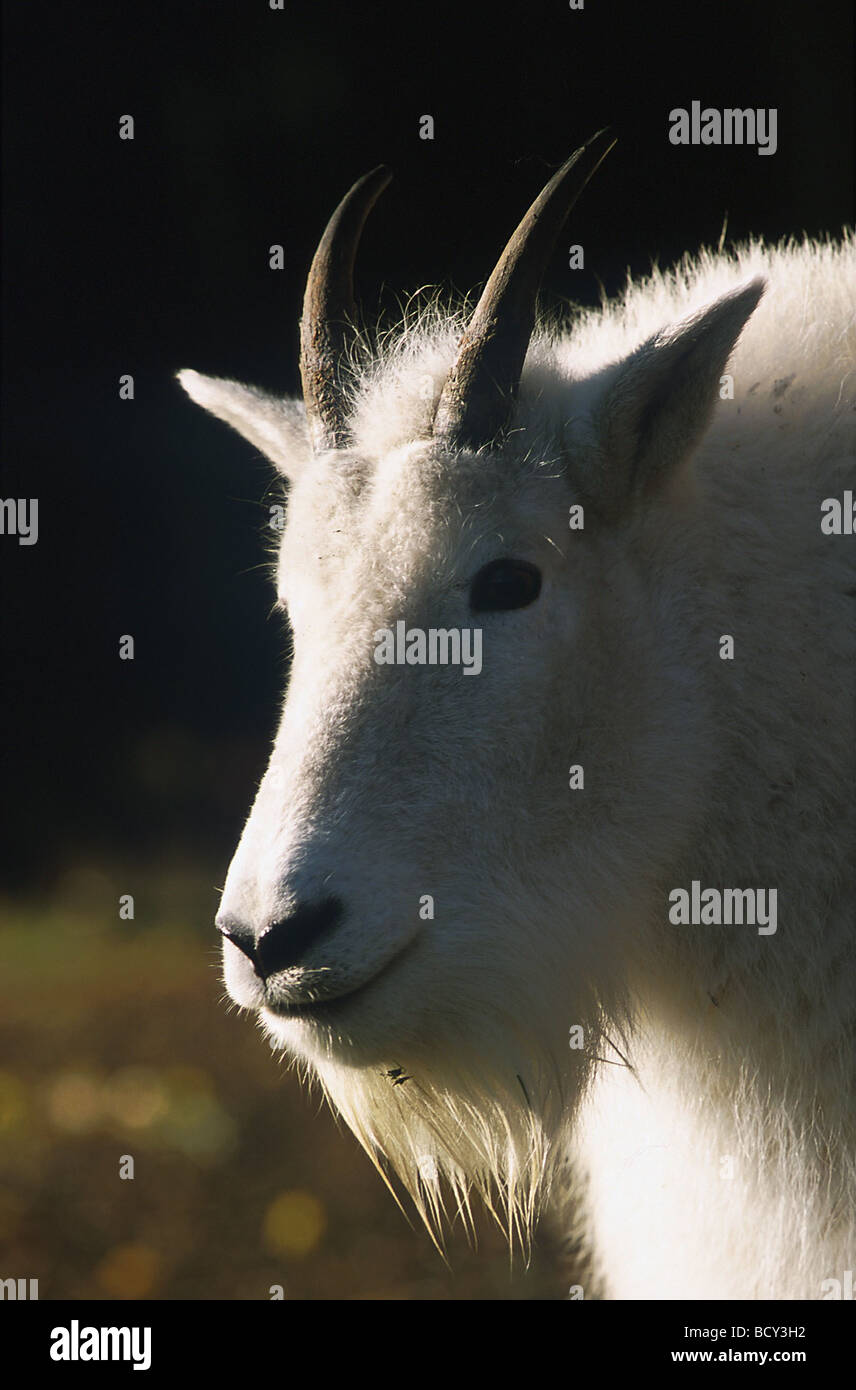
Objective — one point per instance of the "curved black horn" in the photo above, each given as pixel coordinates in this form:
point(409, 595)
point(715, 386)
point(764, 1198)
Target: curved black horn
point(482, 384)
point(328, 308)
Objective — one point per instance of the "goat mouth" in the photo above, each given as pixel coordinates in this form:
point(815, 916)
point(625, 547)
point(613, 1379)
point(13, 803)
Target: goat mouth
point(326, 1009)
point(313, 1009)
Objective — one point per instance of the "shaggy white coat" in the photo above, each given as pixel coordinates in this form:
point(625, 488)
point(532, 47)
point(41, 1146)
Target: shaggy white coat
point(701, 1142)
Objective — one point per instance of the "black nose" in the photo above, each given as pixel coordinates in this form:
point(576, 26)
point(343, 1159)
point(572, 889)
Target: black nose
point(242, 937)
point(283, 943)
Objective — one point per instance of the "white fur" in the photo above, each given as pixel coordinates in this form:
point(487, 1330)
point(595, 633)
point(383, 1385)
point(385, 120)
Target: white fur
point(709, 1051)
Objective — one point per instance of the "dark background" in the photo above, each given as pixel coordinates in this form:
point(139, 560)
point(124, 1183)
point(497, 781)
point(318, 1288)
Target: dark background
point(151, 255)
point(134, 777)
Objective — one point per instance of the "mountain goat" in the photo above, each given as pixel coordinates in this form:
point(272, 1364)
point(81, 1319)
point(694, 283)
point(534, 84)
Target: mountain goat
point(577, 930)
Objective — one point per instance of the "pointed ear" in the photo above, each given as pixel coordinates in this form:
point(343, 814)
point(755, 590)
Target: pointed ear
point(655, 406)
point(276, 427)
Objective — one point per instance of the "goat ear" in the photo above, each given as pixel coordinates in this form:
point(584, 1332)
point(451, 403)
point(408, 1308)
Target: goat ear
point(655, 406)
point(276, 427)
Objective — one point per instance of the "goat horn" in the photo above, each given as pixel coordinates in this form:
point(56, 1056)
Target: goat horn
point(481, 387)
point(329, 310)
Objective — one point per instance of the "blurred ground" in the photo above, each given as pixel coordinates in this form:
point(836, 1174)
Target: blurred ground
point(114, 1042)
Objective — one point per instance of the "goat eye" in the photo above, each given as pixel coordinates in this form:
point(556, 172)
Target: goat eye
point(504, 584)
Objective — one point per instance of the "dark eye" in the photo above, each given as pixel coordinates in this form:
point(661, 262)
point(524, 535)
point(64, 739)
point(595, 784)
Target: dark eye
point(504, 584)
